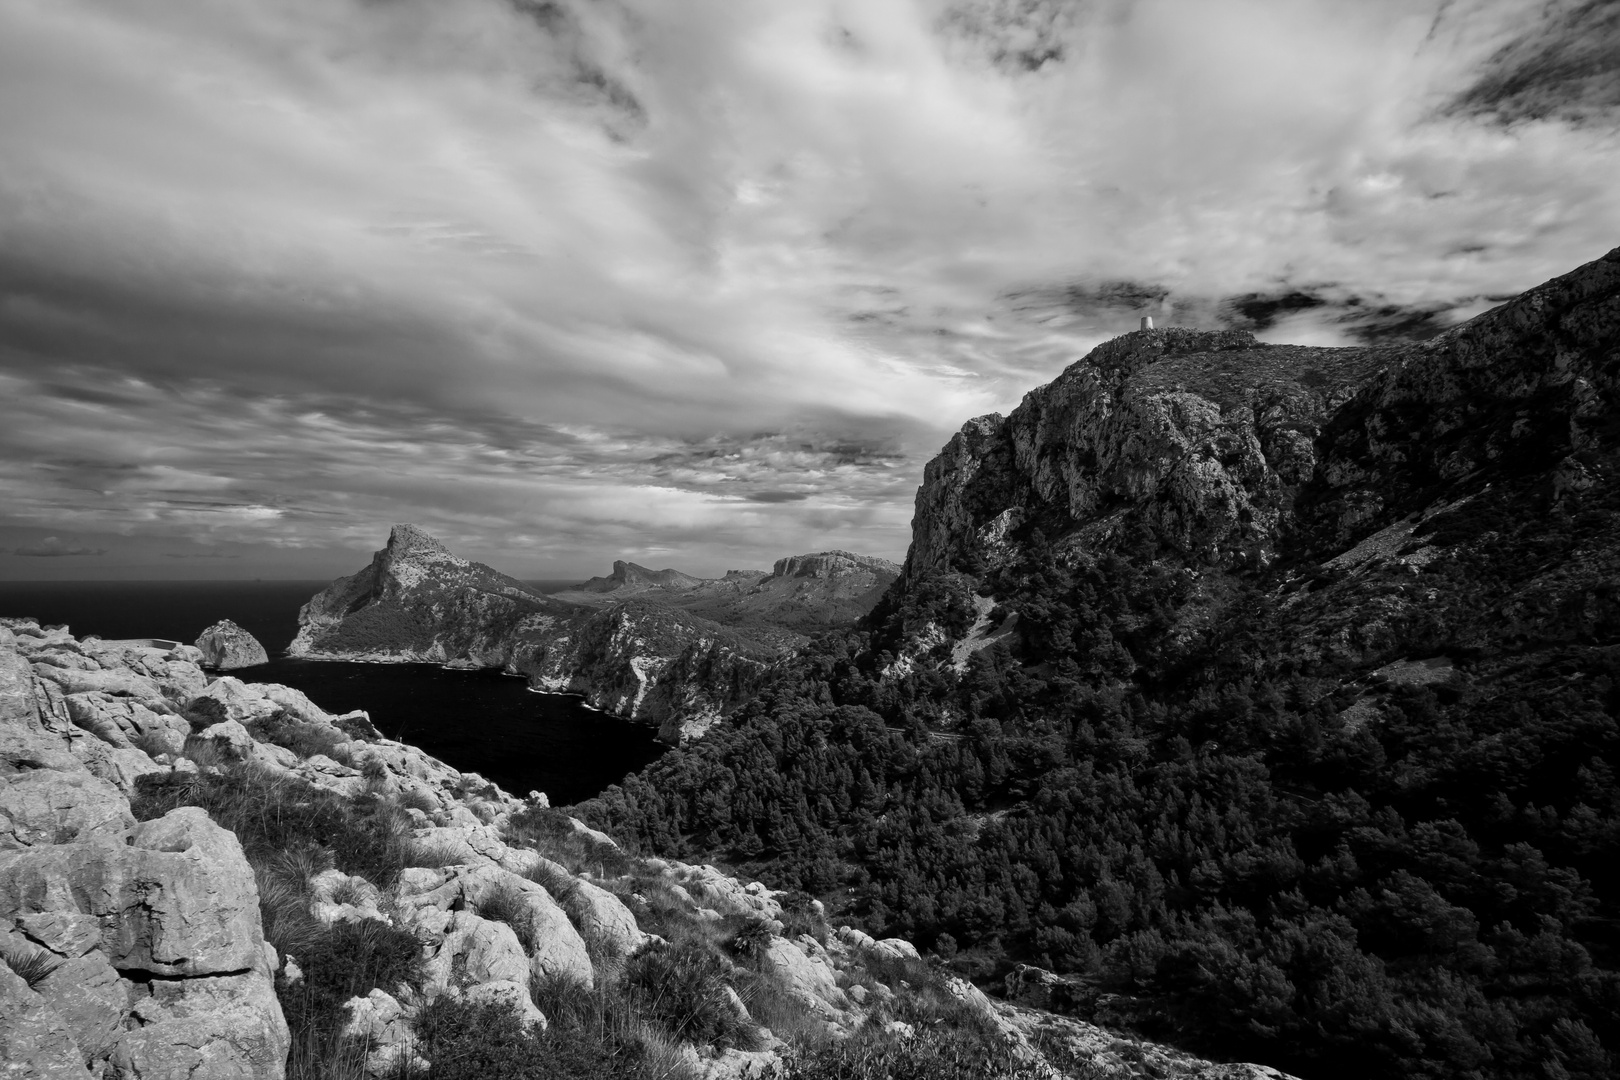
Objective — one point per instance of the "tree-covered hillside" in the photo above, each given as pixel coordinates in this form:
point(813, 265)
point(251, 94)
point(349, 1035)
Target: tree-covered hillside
point(1288, 722)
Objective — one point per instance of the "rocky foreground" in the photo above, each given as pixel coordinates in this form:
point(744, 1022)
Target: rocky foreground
point(141, 937)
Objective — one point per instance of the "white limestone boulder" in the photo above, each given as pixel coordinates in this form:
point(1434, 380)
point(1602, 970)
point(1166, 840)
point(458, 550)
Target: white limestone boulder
point(47, 806)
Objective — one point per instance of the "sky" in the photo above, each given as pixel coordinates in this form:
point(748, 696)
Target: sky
point(703, 284)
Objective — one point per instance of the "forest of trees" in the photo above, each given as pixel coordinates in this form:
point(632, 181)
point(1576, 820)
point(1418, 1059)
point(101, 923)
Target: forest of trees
point(1193, 823)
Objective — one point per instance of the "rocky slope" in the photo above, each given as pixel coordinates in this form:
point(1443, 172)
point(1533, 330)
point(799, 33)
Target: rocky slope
point(660, 647)
point(1224, 452)
point(140, 937)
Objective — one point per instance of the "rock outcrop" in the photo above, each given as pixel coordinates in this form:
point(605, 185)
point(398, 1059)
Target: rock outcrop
point(1227, 453)
point(129, 949)
point(226, 647)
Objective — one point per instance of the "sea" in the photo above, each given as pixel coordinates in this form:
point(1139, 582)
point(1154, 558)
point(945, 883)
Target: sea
point(476, 721)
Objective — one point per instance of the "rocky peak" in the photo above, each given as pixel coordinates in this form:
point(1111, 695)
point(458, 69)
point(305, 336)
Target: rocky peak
point(832, 564)
point(406, 541)
point(1218, 447)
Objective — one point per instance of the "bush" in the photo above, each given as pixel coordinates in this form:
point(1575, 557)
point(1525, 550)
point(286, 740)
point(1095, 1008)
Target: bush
point(468, 1041)
point(682, 988)
point(273, 813)
point(301, 737)
point(344, 961)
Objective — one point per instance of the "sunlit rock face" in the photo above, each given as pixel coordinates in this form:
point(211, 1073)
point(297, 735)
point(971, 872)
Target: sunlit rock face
point(1215, 450)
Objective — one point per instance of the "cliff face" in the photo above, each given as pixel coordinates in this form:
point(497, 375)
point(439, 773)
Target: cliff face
point(417, 601)
point(642, 649)
point(1218, 451)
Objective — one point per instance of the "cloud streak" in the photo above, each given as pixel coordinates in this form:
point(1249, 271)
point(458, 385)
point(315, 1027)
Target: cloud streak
point(566, 281)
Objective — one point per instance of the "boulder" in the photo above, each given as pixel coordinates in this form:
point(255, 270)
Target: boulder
point(45, 806)
point(476, 950)
point(181, 900)
point(809, 978)
point(602, 918)
point(558, 950)
point(508, 995)
point(226, 1027)
point(226, 647)
point(385, 1026)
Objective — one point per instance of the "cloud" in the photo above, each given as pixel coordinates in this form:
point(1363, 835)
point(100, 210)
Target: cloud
point(571, 280)
point(53, 548)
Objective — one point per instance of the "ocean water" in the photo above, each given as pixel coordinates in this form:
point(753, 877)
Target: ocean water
point(479, 721)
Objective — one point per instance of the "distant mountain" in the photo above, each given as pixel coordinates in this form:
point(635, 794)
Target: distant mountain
point(628, 576)
point(803, 595)
point(657, 646)
point(1268, 694)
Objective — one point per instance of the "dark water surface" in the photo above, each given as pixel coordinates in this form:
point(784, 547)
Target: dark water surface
point(478, 721)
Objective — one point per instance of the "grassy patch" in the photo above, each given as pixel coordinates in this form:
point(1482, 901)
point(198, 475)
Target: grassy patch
point(467, 1041)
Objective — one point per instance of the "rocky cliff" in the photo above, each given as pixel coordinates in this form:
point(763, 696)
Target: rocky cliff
point(1220, 451)
point(661, 647)
point(220, 879)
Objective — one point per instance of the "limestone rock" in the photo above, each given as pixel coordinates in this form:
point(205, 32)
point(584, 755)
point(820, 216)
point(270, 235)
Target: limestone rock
point(35, 1042)
point(45, 806)
point(182, 901)
point(478, 950)
point(809, 977)
point(226, 647)
point(384, 1025)
point(227, 1026)
point(87, 993)
point(557, 950)
point(602, 919)
point(509, 995)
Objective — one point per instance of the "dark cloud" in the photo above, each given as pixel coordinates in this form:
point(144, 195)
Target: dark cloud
point(1564, 65)
point(777, 496)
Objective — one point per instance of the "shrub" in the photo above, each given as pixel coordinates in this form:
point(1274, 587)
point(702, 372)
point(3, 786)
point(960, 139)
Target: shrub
point(469, 1041)
point(301, 737)
point(682, 988)
point(416, 799)
point(558, 882)
point(344, 961)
